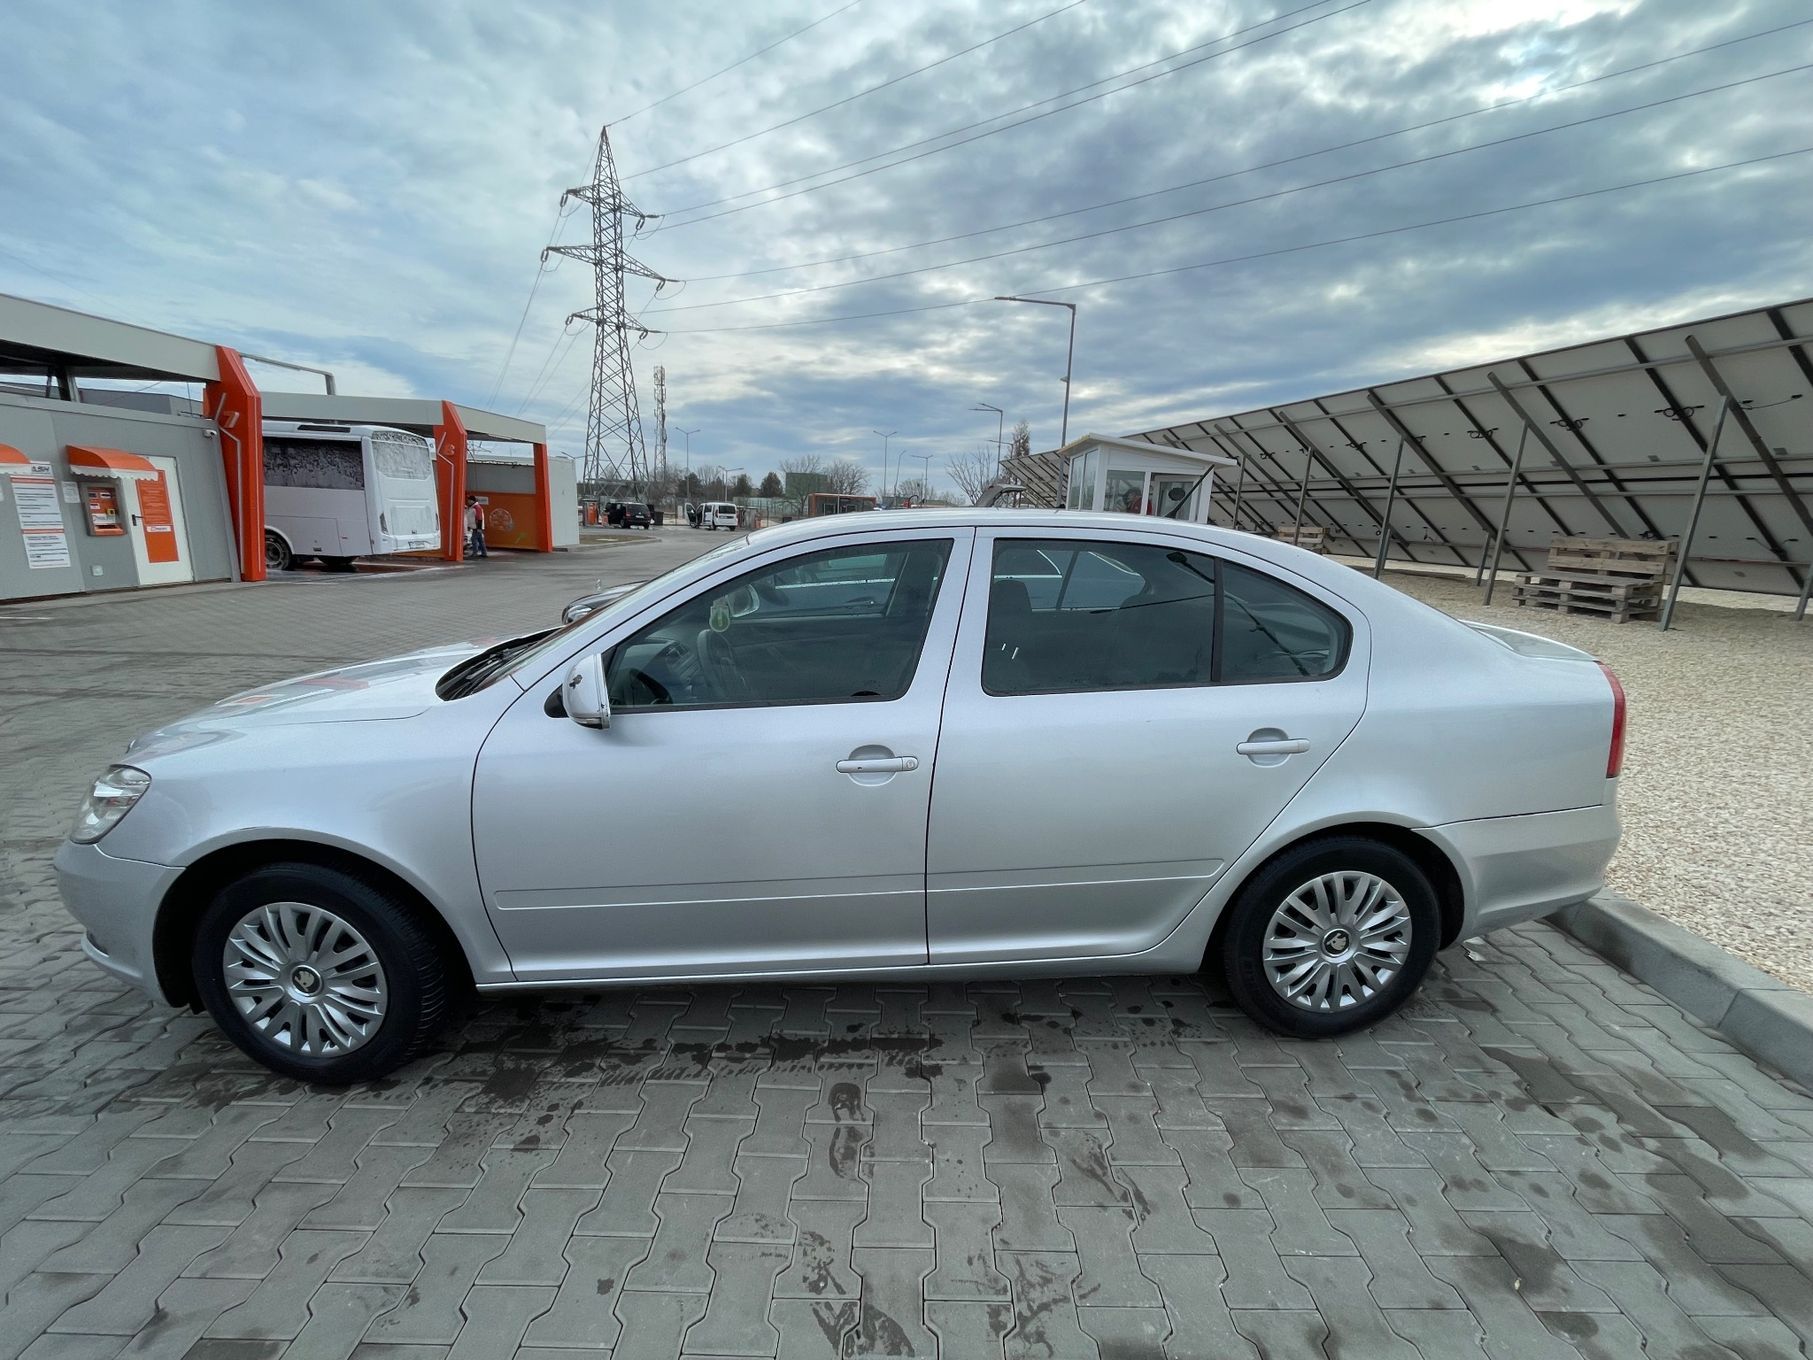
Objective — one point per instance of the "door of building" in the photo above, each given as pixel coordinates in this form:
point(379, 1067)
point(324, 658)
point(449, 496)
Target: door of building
point(160, 538)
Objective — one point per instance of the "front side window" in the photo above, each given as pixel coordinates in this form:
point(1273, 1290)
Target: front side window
point(839, 626)
point(1066, 616)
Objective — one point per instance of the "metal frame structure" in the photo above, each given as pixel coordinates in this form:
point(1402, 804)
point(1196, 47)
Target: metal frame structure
point(1613, 437)
point(613, 420)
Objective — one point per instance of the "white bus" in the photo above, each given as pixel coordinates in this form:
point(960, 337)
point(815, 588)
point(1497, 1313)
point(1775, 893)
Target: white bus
point(343, 491)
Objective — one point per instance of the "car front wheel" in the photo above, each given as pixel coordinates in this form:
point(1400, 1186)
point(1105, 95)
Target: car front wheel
point(277, 555)
point(318, 974)
point(1330, 937)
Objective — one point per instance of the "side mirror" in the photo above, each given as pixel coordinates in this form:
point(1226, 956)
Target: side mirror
point(587, 701)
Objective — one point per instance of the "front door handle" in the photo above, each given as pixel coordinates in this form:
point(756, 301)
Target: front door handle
point(1281, 746)
point(879, 765)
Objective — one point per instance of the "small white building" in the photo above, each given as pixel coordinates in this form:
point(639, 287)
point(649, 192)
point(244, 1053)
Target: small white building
point(1139, 478)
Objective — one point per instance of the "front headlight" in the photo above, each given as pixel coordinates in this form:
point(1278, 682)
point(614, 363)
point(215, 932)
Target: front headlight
point(107, 802)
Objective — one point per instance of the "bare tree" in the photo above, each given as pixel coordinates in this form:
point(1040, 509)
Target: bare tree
point(1019, 443)
point(846, 478)
point(972, 472)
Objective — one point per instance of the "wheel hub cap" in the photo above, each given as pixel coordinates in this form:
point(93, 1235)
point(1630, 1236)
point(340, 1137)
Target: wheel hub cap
point(305, 980)
point(1337, 941)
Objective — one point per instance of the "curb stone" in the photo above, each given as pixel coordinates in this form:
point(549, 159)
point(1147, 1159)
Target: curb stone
point(1764, 1016)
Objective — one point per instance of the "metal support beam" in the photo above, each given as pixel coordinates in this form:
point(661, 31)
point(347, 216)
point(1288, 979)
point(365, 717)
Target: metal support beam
point(1403, 432)
point(1346, 484)
point(1504, 512)
point(1302, 495)
point(1800, 610)
point(1391, 495)
point(1239, 489)
point(1763, 452)
point(1693, 516)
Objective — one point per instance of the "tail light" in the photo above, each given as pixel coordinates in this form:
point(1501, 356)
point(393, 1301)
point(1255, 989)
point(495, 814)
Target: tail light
point(1614, 760)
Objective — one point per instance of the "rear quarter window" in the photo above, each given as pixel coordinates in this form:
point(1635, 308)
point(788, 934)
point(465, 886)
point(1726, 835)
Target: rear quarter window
point(1273, 631)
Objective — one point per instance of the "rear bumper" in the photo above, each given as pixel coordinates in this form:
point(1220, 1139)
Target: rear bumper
point(116, 901)
point(1517, 868)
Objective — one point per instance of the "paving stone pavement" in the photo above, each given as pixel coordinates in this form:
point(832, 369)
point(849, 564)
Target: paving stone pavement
point(1539, 1157)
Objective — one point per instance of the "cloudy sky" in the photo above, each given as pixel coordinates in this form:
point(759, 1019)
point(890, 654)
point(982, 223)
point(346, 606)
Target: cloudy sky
point(368, 187)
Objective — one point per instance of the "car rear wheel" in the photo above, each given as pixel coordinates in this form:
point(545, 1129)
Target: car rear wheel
point(277, 555)
point(318, 974)
point(1330, 937)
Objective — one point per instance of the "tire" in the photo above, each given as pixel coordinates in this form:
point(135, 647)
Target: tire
point(277, 554)
point(408, 970)
point(1333, 1002)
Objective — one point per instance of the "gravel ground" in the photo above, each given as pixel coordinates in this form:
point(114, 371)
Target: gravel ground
point(1718, 771)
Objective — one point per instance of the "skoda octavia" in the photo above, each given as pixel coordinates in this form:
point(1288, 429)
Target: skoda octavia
point(893, 745)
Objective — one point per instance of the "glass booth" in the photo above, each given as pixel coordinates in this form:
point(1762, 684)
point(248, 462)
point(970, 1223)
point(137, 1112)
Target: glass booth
point(1137, 478)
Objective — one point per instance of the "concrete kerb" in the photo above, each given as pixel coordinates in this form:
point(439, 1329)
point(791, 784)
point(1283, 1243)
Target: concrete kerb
point(1764, 1016)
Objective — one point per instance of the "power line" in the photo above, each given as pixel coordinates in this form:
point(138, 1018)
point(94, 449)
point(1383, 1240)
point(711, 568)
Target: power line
point(1250, 169)
point(850, 99)
point(560, 215)
point(1234, 203)
point(1005, 127)
point(759, 52)
point(1269, 254)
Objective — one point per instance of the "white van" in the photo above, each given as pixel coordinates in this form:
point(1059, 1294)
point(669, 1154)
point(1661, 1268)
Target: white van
point(343, 491)
point(717, 515)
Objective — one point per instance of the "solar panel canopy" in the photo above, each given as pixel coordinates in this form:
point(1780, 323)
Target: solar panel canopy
point(1614, 434)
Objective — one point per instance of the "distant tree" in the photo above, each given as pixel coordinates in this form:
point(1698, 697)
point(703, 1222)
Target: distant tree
point(771, 486)
point(1019, 443)
point(742, 486)
point(972, 472)
point(846, 478)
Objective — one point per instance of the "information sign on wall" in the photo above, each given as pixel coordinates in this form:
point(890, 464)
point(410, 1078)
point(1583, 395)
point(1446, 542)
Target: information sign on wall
point(40, 516)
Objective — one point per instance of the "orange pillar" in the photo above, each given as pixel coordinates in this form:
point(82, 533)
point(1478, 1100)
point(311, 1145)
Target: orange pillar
point(232, 402)
point(544, 501)
point(450, 475)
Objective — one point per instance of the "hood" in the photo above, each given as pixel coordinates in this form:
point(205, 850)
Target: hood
point(397, 687)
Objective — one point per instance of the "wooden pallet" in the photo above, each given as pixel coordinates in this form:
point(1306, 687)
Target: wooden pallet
point(1643, 559)
point(1313, 537)
point(1576, 593)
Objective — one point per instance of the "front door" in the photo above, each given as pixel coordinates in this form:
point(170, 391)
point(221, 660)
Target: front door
point(160, 539)
point(1124, 717)
point(759, 800)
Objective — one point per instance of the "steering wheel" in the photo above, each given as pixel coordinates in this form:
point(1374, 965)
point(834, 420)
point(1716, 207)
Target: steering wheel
point(718, 660)
point(656, 692)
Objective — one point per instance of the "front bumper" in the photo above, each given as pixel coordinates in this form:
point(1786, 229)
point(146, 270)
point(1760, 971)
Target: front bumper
point(116, 902)
point(1517, 868)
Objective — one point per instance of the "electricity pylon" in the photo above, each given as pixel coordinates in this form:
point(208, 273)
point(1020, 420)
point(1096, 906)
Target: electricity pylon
point(613, 423)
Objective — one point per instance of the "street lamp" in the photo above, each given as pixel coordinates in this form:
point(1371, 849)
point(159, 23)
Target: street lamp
point(884, 456)
point(1069, 356)
point(925, 481)
point(689, 434)
point(1000, 428)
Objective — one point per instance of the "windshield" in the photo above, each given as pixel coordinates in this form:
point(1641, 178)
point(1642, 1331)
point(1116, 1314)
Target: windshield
point(549, 644)
point(400, 455)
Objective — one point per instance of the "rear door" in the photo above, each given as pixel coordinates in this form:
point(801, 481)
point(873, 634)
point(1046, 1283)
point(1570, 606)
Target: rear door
point(1111, 745)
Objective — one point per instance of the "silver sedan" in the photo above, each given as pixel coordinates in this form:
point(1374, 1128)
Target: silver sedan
point(895, 745)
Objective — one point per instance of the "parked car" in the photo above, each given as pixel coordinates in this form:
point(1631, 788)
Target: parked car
point(637, 515)
point(595, 600)
point(1157, 746)
point(717, 515)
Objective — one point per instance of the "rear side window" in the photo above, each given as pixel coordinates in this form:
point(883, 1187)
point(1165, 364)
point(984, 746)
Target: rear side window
point(1067, 616)
point(1271, 631)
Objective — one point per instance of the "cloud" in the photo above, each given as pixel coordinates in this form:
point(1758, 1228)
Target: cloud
point(368, 188)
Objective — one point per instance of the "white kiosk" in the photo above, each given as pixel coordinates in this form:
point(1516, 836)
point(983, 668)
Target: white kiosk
point(1138, 478)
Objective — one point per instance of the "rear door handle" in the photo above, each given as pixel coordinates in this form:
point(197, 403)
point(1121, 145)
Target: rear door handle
point(879, 765)
point(1283, 746)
